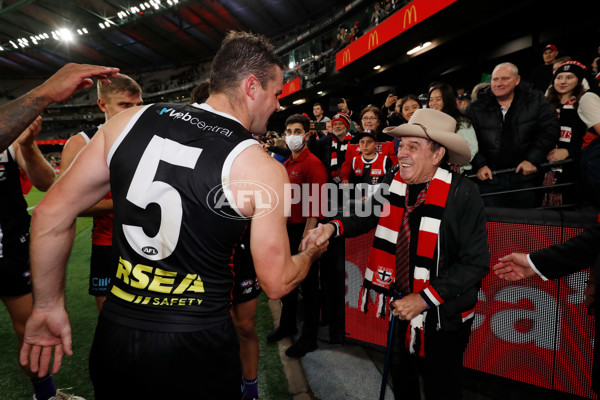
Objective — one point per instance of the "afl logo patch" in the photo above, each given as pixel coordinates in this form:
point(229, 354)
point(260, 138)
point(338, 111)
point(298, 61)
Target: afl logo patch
point(247, 283)
point(149, 250)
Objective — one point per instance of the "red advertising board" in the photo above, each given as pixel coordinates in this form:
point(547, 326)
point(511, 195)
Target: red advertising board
point(408, 16)
point(532, 331)
point(290, 87)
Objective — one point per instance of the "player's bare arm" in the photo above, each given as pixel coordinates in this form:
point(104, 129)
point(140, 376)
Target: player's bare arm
point(277, 270)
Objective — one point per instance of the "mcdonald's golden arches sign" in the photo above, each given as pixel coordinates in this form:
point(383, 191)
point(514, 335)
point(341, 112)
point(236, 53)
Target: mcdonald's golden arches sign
point(408, 16)
point(290, 87)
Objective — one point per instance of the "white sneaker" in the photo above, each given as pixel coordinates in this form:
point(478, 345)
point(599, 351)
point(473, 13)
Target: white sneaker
point(60, 395)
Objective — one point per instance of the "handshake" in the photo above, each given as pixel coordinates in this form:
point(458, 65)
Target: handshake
point(317, 239)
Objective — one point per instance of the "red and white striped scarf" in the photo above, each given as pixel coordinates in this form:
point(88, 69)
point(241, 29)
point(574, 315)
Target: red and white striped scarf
point(343, 145)
point(381, 265)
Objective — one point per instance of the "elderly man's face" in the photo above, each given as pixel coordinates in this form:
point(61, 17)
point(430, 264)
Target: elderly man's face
point(418, 162)
point(504, 81)
point(339, 128)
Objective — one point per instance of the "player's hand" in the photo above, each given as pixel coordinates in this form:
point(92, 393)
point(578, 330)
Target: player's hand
point(318, 236)
point(27, 138)
point(71, 78)
point(45, 331)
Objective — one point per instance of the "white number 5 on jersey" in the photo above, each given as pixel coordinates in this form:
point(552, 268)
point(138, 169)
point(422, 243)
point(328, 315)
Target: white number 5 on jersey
point(144, 190)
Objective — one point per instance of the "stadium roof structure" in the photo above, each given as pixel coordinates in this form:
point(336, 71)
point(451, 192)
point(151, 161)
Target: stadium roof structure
point(39, 36)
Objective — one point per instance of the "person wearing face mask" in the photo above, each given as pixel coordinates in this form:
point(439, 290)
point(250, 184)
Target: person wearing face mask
point(306, 174)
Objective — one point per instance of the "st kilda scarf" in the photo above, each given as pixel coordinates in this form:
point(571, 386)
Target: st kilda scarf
point(381, 265)
point(340, 147)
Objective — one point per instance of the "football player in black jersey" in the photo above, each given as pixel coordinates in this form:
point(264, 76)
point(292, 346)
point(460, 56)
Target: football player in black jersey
point(15, 284)
point(185, 180)
point(246, 289)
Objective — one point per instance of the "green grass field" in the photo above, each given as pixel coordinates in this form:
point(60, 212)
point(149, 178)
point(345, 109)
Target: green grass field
point(15, 385)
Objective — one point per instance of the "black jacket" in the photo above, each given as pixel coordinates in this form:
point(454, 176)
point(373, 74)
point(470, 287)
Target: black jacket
point(464, 257)
point(529, 130)
point(576, 254)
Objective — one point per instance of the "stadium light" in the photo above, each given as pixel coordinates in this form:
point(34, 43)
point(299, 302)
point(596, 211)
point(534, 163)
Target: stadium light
point(418, 48)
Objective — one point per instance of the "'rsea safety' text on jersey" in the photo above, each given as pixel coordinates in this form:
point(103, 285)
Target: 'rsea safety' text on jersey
point(175, 222)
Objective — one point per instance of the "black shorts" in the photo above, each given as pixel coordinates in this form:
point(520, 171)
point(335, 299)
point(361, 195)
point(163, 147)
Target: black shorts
point(15, 275)
point(137, 364)
point(245, 283)
point(102, 268)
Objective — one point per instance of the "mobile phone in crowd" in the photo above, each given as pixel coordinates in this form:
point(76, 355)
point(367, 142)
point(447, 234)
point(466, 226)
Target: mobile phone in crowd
point(320, 126)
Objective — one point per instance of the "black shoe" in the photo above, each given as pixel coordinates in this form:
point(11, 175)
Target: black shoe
point(279, 333)
point(301, 347)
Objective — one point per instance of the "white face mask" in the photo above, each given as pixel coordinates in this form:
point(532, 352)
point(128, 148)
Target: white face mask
point(294, 142)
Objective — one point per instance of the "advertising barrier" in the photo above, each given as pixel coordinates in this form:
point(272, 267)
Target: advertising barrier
point(531, 331)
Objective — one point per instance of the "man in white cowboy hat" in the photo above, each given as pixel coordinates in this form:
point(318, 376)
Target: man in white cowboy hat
point(432, 247)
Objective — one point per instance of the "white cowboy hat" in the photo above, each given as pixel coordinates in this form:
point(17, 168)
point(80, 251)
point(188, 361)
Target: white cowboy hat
point(437, 126)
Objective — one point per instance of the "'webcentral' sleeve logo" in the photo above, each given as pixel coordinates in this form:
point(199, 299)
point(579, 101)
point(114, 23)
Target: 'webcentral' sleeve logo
point(162, 288)
point(187, 117)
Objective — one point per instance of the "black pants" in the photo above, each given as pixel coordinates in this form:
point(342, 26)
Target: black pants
point(310, 293)
point(127, 363)
point(333, 289)
point(441, 367)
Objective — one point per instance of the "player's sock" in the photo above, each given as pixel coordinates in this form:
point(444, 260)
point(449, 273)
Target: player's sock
point(44, 388)
point(250, 388)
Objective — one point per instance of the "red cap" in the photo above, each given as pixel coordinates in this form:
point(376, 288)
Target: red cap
point(551, 47)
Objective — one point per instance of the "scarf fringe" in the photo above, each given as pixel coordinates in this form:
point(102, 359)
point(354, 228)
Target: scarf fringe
point(415, 335)
point(364, 299)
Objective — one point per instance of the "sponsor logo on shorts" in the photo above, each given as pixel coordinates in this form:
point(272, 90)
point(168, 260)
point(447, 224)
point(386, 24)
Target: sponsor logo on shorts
point(247, 283)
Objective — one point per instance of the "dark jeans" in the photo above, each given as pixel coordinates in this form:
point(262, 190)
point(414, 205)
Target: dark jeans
point(441, 367)
point(310, 293)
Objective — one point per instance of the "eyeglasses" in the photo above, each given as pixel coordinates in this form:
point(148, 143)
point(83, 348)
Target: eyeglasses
point(369, 118)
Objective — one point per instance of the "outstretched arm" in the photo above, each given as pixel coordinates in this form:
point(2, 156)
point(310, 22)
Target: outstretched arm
point(514, 267)
point(278, 271)
point(52, 231)
point(16, 115)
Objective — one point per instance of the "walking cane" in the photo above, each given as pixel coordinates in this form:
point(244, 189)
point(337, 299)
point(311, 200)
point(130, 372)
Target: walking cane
point(388, 352)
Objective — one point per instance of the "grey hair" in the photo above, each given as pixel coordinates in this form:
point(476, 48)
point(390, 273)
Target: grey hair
point(508, 64)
